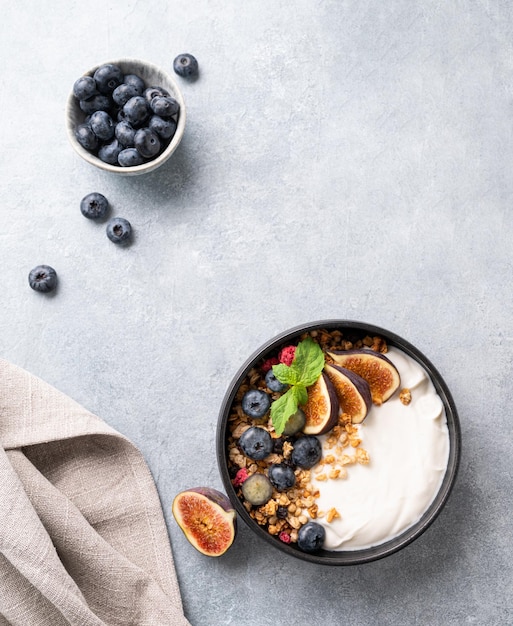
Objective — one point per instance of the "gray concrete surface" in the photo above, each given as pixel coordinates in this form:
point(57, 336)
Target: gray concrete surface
point(346, 159)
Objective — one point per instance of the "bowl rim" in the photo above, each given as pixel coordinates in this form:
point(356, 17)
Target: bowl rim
point(366, 555)
point(148, 166)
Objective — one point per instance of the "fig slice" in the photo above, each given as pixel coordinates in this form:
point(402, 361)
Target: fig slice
point(376, 369)
point(322, 407)
point(352, 390)
point(207, 519)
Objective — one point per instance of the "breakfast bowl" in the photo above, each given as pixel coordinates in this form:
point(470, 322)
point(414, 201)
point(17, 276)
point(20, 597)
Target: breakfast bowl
point(125, 116)
point(338, 442)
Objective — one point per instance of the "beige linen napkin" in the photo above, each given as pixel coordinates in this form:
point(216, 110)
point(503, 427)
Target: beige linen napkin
point(82, 535)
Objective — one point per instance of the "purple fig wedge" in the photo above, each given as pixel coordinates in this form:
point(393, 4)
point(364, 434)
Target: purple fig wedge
point(352, 390)
point(322, 408)
point(376, 369)
point(207, 519)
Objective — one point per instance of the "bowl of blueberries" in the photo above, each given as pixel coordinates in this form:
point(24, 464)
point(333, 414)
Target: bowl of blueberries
point(125, 116)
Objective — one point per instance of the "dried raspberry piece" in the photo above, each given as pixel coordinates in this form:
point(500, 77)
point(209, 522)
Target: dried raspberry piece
point(283, 536)
point(266, 365)
point(240, 477)
point(287, 355)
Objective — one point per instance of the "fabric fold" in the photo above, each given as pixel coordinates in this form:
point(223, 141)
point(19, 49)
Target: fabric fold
point(83, 540)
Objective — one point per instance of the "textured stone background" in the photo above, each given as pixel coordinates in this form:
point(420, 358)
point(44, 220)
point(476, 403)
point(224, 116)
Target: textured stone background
point(347, 159)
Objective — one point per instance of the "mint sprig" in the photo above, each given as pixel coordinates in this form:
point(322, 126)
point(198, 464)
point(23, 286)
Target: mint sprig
point(304, 370)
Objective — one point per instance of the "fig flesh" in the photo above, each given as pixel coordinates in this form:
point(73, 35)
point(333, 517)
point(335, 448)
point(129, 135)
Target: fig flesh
point(352, 390)
point(322, 407)
point(376, 369)
point(207, 519)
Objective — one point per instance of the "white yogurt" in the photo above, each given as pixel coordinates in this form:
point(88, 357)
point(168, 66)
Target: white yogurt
point(408, 447)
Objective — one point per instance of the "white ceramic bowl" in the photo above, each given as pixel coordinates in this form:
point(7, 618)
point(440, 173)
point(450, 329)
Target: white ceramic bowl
point(152, 76)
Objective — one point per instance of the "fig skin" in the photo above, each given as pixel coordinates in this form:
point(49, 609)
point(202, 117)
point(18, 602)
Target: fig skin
point(214, 528)
point(353, 392)
point(322, 408)
point(375, 368)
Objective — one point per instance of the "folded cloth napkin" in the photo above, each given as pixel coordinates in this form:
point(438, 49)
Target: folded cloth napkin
point(82, 535)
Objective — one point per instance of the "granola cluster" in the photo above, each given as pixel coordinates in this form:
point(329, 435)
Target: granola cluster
point(286, 511)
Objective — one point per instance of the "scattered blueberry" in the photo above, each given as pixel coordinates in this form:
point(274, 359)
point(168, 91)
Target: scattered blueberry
point(256, 443)
point(43, 278)
point(102, 125)
point(257, 489)
point(295, 423)
point(273, 383)
point(119, 230)
point(108, 77)
point(164, 106)
point(282, 512)
point(94, 206)
point(147, 142)
point(282, 476)
point(307, 452)
point(86, 137)
point(185, 65)
point(84, 88)
point(255, 403)
point(109, 152)
point(311, 537)
point(125, 134)
point(130, 157)
point(164, 128)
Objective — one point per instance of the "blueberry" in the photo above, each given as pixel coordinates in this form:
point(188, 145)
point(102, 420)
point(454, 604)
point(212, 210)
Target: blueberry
point(85, 137)
point(102, 124)
point(136, 110)
point(147, 142)
point(122, 94)
point(125, 134)
point(282, 476)
point(136, 81)
point(185, 65)
point(164, 106)
point(273, 383)
point(295, 423)
point(310, 537)
point(43, 278)
point(153, 92)
point(108, 77)
point(256, 443)
point(255, 403)
point(119, 230)
point(84, 88)
point(96, 103)
point(257, 489)
point(307, 452)
point(282, 512)
point(94, 206)
point(109, 152)
point(164, 128)
point(130, 157)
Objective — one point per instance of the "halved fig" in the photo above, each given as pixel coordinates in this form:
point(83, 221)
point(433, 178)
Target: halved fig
point(376, 369)
point(207, 519)
point(322, 407)
point(353, 392)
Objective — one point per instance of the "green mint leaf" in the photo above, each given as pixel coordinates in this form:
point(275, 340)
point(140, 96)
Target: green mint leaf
point(301, 394)
point(282, 408)
point(308, 362)
point(285, 374)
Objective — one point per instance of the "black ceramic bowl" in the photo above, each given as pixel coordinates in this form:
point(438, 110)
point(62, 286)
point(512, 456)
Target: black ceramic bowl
point(349, 557)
